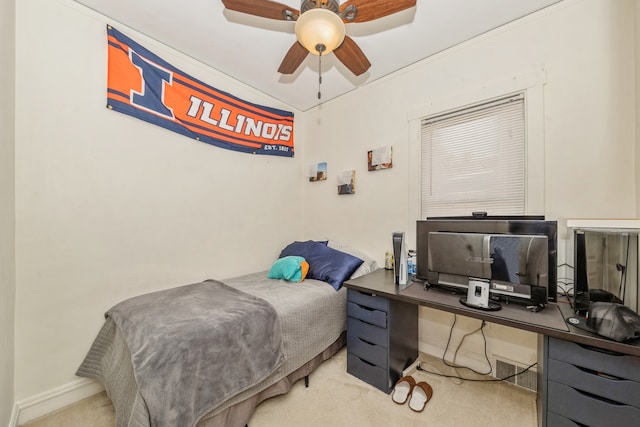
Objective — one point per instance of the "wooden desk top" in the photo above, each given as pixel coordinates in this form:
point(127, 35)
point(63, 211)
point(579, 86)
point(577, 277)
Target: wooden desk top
point(550, 321)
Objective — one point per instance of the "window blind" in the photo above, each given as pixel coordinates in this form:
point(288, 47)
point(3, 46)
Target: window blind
point(474, 160)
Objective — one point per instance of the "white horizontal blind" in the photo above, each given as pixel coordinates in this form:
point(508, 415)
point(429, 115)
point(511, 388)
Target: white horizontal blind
point(474, 160)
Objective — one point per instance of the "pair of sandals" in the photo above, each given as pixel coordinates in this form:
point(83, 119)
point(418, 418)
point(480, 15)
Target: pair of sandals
point(418, 394)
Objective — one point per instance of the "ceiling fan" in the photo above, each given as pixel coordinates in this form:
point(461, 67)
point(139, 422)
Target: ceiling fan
point(320, 26)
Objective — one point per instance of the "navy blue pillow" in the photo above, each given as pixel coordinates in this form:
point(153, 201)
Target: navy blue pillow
point(325, 264)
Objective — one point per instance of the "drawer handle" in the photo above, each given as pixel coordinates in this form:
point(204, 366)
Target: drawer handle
point(600, 374)
point(364, 361)
point(600, 398)
point(364, 293)
point(365, 321)
point(366, 342)
point(369, 309)
point(601, 350)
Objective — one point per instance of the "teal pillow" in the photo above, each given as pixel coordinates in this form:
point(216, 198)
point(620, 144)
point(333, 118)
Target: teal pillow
point(291, 268)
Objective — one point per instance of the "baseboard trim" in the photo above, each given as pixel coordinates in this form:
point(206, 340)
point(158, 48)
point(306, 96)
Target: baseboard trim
point(52, 400)
point(471, 359)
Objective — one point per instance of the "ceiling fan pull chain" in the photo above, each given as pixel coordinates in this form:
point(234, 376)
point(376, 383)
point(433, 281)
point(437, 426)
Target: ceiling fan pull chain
point(319, 73)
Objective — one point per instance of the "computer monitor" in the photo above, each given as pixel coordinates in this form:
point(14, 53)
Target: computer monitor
point(605, 268)
point(516, 254)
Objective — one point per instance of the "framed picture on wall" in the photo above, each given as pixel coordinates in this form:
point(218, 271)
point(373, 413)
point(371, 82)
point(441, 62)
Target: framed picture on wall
point(347, 182)
point(318, 172)
point(380, 158)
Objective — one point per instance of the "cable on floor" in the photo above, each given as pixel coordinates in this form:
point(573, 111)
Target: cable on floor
point(453, 365)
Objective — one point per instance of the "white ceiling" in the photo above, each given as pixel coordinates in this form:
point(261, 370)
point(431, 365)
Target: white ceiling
point(250, 48)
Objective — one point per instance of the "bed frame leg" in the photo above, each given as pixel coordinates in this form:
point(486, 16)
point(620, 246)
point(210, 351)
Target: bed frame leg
point(306, 381)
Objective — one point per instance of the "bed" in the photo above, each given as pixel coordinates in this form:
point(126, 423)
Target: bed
point(206, 354)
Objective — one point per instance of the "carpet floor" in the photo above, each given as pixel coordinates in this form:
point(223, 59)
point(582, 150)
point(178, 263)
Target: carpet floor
point(339, 399)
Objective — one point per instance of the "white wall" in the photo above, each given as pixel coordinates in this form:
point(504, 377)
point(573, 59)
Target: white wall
point(108, 206)
point(7, 260)
point(585, 51)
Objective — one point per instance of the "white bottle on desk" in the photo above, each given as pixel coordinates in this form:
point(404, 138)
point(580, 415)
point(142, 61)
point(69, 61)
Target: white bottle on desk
point(411, 264)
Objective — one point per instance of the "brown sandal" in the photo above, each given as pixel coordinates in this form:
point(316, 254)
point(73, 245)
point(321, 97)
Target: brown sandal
point(403, 389)
point(420, 395)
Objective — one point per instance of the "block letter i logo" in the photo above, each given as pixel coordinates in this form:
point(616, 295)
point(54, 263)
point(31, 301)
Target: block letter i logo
point(154, 78)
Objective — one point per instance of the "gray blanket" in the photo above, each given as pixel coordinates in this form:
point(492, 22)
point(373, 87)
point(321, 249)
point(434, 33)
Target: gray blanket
point(182, 340)
point(312, 316)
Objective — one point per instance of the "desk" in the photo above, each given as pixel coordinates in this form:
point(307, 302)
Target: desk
point(549, 324)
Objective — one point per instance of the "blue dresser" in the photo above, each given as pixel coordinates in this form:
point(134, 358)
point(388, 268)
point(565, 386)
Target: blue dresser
point(588, 386)
point(382, 338)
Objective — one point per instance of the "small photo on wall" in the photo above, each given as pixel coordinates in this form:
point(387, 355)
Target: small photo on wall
point(347, 182)
point(318, 172)
point(380, 158)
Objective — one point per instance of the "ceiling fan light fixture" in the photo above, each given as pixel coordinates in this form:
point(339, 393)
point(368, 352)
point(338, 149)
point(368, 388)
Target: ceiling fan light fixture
point(320, 27)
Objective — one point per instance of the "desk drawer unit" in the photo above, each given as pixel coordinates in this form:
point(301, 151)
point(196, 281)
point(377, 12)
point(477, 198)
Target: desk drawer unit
point(382, 338)
point(591, 387)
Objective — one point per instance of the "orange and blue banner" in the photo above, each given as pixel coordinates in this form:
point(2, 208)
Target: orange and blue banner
point(144, 86)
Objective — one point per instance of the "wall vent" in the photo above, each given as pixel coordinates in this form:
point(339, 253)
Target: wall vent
point(528, 379)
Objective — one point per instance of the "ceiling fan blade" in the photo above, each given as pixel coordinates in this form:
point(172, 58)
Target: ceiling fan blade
point(368, 10)
point(292, 60)
point(350, 54)
point(264, 8)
